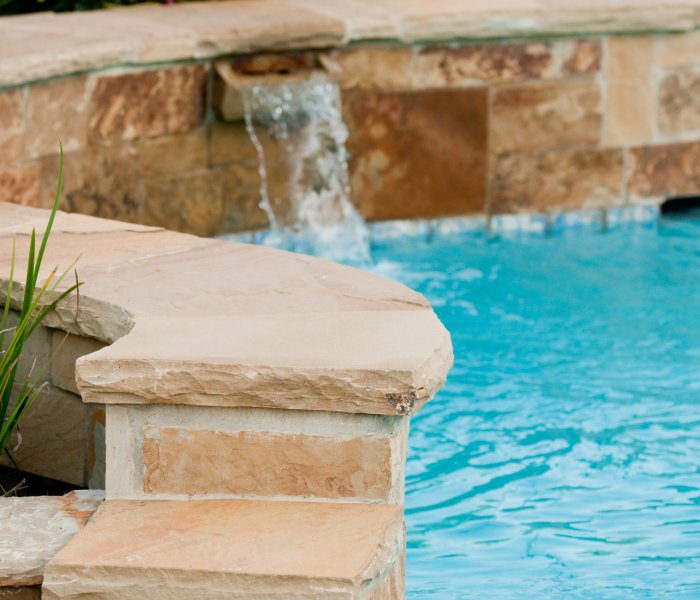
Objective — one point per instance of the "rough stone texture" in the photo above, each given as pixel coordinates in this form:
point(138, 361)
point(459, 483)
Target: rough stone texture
point(147, 103)
point(189, 461)
point(56, 113)
point(11, 126)
point(557, 180)
point(665, 170)
point(678, 50)
point(371, 67)
point(585, 58)
point(679, 105)
point(630, 101)
point(170, 549)
point(392, 587)
point(192, 203)
point(171, 154)
point(241, 198)
point(96, 450)
point(20, 185)
point(230, 143)
point(66, 349)
point(20, 593)
point(33, 530)
point(545, 116)
point(35, 362)
point(100, 181)
point(417, 154)
point(52, 437)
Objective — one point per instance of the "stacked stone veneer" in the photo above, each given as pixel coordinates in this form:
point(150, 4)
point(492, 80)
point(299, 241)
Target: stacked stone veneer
point(436, 128)
point(257, 409)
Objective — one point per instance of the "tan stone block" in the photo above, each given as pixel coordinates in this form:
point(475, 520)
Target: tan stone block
point(35, 361)
point(679, 103)
point(241, 197)
point(630, 113)
point(171, 155)
point(189, 461)
point(11, 126)
point(678, 49)
point(546, 116)
point(371, 67)
point(192, 203)
point(471, 64)
point(169, 549)
point(53, 437)
point(665, 170)
point(584, 58)
point(630, 58)
point(417, 154)
point(20, 185)
point(557, 181)
point(230, 143)
point(392, 586)
point(147, 103)
point(102, 181)
point(66, 349)
point(56, 113)
point(33, 530)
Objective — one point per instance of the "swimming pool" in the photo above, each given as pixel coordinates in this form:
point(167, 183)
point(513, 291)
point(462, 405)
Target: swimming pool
point(562, 459)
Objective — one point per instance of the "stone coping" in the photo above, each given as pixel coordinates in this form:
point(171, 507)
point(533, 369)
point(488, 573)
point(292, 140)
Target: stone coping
point(45, 45)
point(204, 322)
point(228, 549)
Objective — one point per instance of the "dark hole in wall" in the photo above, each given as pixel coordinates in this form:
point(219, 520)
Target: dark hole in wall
point(680, 205)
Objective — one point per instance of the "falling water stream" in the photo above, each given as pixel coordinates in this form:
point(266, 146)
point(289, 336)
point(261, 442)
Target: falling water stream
point(304, 119)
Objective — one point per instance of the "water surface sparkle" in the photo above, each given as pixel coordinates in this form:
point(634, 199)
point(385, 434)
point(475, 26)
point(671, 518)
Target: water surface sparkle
point(562, 459)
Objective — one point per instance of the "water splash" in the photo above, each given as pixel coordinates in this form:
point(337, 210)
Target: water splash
point(304, 119)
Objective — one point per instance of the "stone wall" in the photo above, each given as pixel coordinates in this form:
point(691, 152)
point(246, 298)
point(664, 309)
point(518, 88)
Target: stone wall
point(469, 128)
point(59, 437)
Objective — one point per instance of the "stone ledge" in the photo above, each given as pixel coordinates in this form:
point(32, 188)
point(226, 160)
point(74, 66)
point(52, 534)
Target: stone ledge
point(211, 549)
point(45, 45)
point(204, 322)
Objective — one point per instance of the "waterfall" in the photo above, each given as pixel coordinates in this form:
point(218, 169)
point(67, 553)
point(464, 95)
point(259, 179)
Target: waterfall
point(316, 217)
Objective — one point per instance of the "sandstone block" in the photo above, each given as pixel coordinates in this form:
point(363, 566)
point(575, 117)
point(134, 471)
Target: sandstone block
point(371, 67)
point(187, 461)
point(241, 196)
point(192, 203)
point(557, 181)
point(52, 437)
point(170, 154)
point(161, 101)
point(665, 170)
point(33, 530)
point(11, 125)
point(417, 154)
point(20, 185)
point(544, 116)
point(679, 105)
point(585, 58)
point(230, 143)
point(66, 349)
point(679, 49)
point(56, 113)
point(630, 101)
point(170, 549)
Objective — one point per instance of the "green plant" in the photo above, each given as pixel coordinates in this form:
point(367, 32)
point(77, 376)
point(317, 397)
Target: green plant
point(37, 302)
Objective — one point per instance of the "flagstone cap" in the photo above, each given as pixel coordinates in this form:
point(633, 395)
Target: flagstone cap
point(204, 322)
point(226, 548)
point(43, 45)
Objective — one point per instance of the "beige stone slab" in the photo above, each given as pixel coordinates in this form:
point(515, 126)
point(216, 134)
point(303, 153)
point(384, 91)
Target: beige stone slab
point(12, 119)
point(678, 50)
point(369, 345)
point(27, 55)
point(200, 462)
point(35, 528)
point(217, 549)
point(260, 362)
point(679, 106)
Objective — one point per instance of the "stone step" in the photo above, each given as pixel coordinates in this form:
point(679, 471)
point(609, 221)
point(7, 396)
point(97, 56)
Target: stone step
point(216, 549)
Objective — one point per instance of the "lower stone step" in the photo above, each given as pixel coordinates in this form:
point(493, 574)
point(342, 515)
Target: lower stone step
point(216, 549)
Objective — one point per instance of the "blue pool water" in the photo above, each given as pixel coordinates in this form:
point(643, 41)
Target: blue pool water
point(562, 459)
